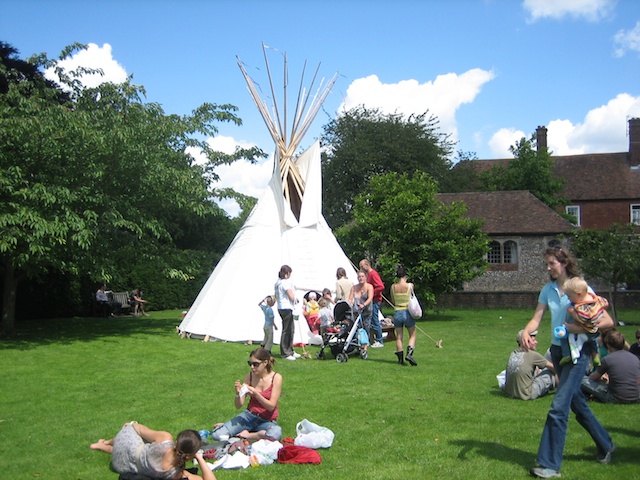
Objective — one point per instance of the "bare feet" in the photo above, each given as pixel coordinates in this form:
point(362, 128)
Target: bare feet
point(103, 445)
point(252, 436)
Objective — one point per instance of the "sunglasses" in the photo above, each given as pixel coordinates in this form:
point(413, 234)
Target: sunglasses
point(254, 364)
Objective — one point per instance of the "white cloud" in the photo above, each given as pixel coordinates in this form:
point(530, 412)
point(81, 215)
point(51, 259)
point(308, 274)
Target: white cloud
point(503, 139)
point(603, 130)
point(242, 176)
point(442, 97)
point(590, 10)
point(627, 40)
point(93, 57)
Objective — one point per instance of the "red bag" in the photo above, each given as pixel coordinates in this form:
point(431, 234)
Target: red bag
point(296, 454)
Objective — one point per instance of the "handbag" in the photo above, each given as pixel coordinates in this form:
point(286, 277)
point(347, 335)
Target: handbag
point(415, 310)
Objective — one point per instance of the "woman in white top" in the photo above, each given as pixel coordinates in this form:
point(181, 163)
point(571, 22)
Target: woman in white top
point(286, 299)
point(343, 285)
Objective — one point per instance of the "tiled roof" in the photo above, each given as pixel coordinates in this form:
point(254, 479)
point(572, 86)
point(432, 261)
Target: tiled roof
point(597, 176)
point(510, 213)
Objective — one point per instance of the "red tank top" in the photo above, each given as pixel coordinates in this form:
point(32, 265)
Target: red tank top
point(258, 409)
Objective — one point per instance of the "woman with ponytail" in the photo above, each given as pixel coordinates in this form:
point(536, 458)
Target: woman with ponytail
point(138, 450)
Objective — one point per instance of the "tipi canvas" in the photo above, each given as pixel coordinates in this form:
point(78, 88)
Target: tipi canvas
point(286, 226)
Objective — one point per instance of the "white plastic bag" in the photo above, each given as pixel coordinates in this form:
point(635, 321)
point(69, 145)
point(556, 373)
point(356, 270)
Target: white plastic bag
point(415, 310)
point(502, 379)
point(266, 451)
point(297, 310)
point(312, 435)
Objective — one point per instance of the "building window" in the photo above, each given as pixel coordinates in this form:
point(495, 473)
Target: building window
point(510, 252)
point(503, 256)
point(574, 211)
point(635, 214)
point(495, 253)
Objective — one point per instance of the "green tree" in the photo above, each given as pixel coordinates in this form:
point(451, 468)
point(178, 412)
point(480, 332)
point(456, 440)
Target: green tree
point(530, 169)
point(397, 220)
point(87, 181)
point(463, 177)
point(362, 143)
point(612, 255)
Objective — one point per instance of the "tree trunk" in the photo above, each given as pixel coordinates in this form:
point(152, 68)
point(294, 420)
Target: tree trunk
point(9, 300)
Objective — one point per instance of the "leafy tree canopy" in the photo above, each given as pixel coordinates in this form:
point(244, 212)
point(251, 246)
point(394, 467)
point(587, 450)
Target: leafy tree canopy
point(397, 220)
point(612, 255)
point(84, 178)
point(363, 143)
point(530, 169)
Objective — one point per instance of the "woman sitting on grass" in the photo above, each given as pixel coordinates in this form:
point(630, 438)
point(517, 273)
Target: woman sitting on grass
point(263, 386)
point(138, 450)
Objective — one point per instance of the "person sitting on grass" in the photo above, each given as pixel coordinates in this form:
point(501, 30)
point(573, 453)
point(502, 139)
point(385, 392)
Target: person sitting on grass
point(529, 375)
point(622, 370)
point(138, 450)
point(635, 348)
point(263, 386)
point(137, 302)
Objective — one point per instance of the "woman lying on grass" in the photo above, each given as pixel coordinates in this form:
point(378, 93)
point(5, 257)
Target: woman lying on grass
point(137, 449)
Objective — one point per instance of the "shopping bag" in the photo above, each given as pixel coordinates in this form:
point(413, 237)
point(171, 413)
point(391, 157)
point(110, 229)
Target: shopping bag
point(312, 435)
point(415, 310)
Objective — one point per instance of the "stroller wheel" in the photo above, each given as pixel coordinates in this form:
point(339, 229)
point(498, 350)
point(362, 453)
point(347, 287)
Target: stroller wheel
point(320, 356)
point(364, 354)
point(342, 357)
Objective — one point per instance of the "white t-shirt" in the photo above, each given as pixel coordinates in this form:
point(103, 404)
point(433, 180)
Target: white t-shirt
point(282, 285)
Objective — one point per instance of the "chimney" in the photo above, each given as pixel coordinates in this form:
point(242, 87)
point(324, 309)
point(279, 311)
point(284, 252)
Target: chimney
point(541, 138)
point(634, 142)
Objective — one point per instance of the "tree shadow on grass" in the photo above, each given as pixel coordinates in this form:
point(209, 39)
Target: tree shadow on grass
point(34, 333)
point(494, 451)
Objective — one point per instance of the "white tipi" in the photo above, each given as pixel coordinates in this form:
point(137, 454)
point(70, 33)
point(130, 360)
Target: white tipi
point(285, 227)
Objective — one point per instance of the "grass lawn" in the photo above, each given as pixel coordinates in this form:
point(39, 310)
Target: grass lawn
point(68, 382)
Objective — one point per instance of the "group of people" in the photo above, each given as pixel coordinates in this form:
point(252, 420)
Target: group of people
point(365, 298)
point(104, 299)
point(577, 315)
point(138, 450)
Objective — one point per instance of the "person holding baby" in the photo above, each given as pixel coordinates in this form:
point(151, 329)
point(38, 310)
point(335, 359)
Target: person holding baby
point(263, 386)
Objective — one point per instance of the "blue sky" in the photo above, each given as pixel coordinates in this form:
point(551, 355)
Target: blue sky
point(490, 70)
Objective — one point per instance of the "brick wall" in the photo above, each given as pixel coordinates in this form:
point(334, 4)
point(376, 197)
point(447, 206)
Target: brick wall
point(625, 300)
point(602, 214)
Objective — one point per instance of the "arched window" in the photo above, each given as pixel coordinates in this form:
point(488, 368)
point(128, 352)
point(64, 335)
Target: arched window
point(495, 252)
point(510, 252)
point(503, 255)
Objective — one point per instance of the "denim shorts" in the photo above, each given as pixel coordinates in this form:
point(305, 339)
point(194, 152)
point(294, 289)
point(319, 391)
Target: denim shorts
point(401, 318)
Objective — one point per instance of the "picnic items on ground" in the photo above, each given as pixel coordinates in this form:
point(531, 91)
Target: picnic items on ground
point(312, 435)
point(298, 454)
point(237, 452)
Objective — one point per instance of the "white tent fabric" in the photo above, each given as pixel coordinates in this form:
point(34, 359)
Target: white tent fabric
point(227, 306)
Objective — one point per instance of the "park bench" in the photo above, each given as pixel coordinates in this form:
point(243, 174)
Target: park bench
point(123, 298)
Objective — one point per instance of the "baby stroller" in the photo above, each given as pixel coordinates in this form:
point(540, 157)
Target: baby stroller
point(343, 339)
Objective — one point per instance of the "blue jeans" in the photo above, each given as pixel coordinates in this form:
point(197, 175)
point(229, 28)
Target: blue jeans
point(375, 321)
point(401, 318)
point(569, 395)
point(250, 422)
